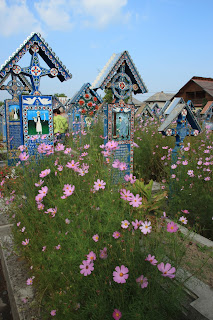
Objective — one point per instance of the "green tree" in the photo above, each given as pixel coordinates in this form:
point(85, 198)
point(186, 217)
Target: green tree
point(60, 95)
point(108, 95)
point(1, 103)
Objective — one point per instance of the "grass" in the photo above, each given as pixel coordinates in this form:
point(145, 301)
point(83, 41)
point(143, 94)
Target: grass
point(57, 241)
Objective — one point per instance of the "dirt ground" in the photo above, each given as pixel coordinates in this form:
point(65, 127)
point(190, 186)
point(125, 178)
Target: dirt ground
point(199, 262)
point(5, 312)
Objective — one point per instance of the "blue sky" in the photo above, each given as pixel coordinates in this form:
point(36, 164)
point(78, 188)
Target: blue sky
point(169, 40)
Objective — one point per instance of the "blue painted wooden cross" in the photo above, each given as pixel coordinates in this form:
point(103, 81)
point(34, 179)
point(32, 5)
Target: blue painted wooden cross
point(121, 76)
point(186, 124)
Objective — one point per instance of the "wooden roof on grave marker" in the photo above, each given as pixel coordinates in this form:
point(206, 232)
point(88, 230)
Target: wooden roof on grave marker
point(111, 68)
point(148, 110)
point(164, 108)
point(175, 113)
point(82, 91)
point(46, 53)
point(173, 104)
point(207, 107)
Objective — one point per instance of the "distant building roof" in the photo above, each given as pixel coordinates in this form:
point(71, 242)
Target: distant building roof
point(135, 101)
point(160, 97)
point(205, 83)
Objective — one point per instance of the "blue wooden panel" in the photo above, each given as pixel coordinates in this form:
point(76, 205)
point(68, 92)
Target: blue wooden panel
point(14, 129)
point(37, 122)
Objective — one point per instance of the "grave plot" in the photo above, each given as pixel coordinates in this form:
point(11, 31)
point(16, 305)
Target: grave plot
point(16, 109)
point(146, 113)
point(82, 108)
point(180, 122)
point(121, 76)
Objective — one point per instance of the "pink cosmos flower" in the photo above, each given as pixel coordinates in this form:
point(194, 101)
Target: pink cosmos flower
point(25, 242)
point(143, 281)
point(135, 145)
point(130, 178)
point(86, 146)
point(39, 197)
point(29, 281)
point(116, 164)
point(145, 227)
point(199, 162)
point(86, 267)
point(67, 150)
point(67, 221)
point(69, 190)
point(59, 147)
point(23, 156)
point(121, 274)
point(95, 237)
point(72, 165)
point(186, 149)
point(99, 184)
point(183, 220)
point(125, 195)
point(116, 314)
point(172, 227)
point(136, 224)
point(52, 211)
point(122, 166)
point(166, 270)
point(91, 256)
point(184, 163)
point(22, 148)
point(38, 184)
point(112, 145)
point(44, 248)
point(124, 224)
point(40, 206)
point(53, 313)
point(103, 253)
point(151, 259)
point(116, 235)
point(2, 182)
point(135, 201)
point(185, 211)
point(60, 167)
point(173, 166)
point(43, 191)
point(207, 178)
point(58, 247)
point(44, 173)
point(190, 173)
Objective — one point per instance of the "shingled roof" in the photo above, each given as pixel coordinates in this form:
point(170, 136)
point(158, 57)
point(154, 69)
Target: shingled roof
point(205, 83)
point(160, 97)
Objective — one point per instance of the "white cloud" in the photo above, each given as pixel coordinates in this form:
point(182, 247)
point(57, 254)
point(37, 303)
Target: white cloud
point(99, 13)
point(25, 16)
point(54, 14)
point(16, 18)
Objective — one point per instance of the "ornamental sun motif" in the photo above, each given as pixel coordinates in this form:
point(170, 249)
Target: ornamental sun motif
point(121, 85)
